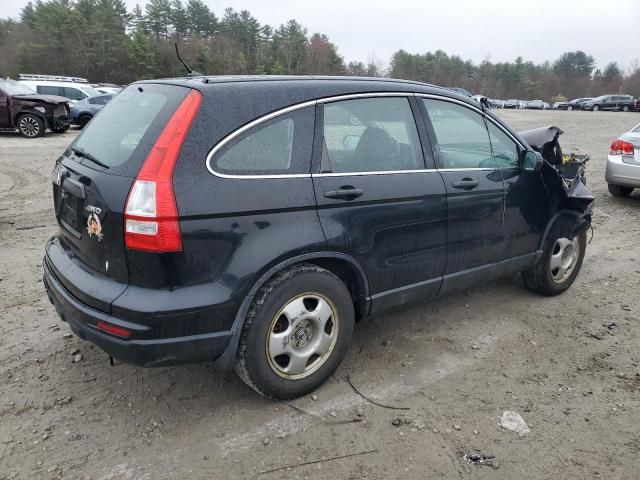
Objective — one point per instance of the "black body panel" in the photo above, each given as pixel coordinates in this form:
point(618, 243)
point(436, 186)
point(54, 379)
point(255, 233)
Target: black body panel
point(408, 236)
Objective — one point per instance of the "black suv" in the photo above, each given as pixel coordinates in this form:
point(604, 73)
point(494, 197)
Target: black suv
point(252, 221)
point(31, 113)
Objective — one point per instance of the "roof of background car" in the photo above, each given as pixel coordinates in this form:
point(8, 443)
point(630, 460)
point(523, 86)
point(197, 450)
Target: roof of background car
point(310, 86)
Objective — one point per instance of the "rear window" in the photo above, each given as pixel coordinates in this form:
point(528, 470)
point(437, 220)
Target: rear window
point(124, 131)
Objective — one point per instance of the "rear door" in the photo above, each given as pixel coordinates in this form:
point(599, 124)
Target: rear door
point(474, 186)
point(92, 179)
point(377, 199)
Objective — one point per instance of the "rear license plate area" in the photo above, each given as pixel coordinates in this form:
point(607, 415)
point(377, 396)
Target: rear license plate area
point(71, 214)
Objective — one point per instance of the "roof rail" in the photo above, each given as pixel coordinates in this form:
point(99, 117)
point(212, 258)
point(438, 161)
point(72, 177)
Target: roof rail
point(55, 78)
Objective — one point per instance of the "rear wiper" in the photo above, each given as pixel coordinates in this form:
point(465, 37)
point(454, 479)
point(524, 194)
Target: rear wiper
point(84, 154)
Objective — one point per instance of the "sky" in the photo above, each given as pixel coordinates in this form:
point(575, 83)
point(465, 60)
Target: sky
point(499, 30)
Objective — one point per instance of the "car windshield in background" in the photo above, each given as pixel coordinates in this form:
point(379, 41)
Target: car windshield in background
point(129, 124)
point(11, 87)
point(89, 90)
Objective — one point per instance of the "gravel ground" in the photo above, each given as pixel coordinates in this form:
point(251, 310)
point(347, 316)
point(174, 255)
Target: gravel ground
point(568, 365)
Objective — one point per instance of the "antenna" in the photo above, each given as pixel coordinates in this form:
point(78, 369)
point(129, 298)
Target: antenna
point(190, 73)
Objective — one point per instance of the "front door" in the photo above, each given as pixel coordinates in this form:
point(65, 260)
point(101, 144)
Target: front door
point(527, 208)
point(475, 191)
point(5, 111)
point(376, 200)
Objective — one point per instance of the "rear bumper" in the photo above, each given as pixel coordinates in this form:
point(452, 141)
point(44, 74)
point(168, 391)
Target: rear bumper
point(146, 347)
point(621, 173)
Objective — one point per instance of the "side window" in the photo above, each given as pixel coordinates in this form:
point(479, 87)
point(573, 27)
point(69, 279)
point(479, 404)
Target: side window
point(505, 150)
point(73, 93)
point(49, 90)
point(371, 135)
point(280, 146)
point(461, 134)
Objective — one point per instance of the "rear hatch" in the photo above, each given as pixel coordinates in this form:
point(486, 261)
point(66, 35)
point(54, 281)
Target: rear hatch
point(91, 182)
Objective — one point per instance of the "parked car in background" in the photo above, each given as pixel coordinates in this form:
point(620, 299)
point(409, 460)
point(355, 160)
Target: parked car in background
point(495, 103)
point(623, 163)
point(610, 102)
point(576, 104)
point(73, 88)
point(83, 111)
point(636, 105)
point(535, 104)
point(30, 113)
point(560, 105)
point(159, 260)
point(107, 88)
point(512, 103)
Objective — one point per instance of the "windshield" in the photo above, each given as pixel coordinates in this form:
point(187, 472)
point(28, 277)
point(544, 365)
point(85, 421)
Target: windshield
point(11, 87)
point(89, 90)
point(122, 134)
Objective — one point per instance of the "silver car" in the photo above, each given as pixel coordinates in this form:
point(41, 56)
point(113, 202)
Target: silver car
point(623, 163)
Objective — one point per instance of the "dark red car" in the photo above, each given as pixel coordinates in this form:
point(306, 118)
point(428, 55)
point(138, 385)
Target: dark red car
point(29, 112)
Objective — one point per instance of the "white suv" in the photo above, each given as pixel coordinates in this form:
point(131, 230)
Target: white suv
point(74, 88)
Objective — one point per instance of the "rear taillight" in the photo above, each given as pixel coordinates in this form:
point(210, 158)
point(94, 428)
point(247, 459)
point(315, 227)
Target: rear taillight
point(620, 147)
point(151, 215)
point(113, 329)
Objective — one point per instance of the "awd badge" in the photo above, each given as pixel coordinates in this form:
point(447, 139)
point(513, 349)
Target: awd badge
point(94, 227)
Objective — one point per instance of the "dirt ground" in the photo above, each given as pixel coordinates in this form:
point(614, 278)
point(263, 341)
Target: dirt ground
point(569, 365)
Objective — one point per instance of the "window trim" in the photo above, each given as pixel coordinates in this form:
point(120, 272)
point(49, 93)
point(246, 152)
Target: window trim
point(309, 103)
point(249, 126)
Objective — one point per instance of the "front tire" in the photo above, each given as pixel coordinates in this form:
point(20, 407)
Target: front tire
point(560, 264)
point(625, 108)
point(596, 108)
point(83, 120)
point(570, 108)
point(296, 333)
point(619, 191)
point(30, 126)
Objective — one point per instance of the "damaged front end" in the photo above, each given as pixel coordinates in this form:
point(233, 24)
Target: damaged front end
point(564, 176)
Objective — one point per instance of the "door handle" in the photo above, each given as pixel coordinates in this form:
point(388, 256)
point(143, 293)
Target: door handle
point(466, 184)
point(345, 193)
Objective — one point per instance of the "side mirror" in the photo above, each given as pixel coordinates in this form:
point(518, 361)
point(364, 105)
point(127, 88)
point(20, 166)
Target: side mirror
point(531, 161)
point(350, 142)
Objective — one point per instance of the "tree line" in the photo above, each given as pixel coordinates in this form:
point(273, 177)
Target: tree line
point(105, 42)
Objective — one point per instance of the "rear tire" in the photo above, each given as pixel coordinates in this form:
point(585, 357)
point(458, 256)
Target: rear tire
point(619, 191)
point(296, 333)
point(560, 263)
point(625, 108)
point(30, 126)
point(569, 108)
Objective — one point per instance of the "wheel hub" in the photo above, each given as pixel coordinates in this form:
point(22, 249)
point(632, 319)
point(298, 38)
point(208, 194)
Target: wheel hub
point(563, 258)
point(302, 336)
